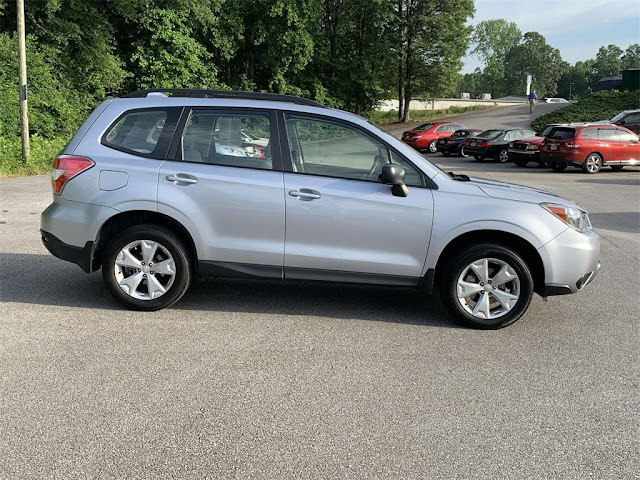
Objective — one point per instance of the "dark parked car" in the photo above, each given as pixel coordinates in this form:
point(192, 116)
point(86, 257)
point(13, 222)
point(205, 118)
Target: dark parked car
point(528, 149)
point(494, 143)
point(590, 147)
point(455, 143)
point(629, 119)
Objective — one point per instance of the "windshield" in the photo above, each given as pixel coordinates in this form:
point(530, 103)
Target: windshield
point(491, 133)
point(423, 127)
point(544, 132)
point(619, 116)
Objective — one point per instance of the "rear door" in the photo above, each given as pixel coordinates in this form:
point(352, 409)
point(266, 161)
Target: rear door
point(341, 222)
point(226, 190)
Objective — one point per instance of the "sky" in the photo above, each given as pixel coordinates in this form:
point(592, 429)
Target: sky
point(578, 28)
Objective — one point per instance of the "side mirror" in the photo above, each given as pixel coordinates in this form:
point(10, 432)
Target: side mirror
point(393, 175)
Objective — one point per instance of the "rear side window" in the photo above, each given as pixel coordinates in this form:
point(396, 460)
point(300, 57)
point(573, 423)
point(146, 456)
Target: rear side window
point(561, 133)
point(607, 134)
point(590, 133)
point(143, 132)
point(228, 139)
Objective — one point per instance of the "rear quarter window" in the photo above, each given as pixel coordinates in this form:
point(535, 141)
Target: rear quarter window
point(143, 132)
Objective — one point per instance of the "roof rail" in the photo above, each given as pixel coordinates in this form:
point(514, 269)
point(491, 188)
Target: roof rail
point(194, 93)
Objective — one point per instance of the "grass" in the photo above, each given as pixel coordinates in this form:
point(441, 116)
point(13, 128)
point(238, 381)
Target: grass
point(591, 108)
point(43, 152)
point(388, 118)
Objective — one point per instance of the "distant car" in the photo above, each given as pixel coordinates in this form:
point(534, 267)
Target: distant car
point(455, 143)
point(555, 100)
point(385, 107)
point(425, 136)
point(528, 149)
point(629, 119)
point(494, 143)
point(590, 147)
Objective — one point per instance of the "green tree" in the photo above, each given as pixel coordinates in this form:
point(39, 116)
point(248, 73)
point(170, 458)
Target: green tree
point(432, 37)
point(533, 57)
point(631, 57)
point(578, 79)
point(608, 61)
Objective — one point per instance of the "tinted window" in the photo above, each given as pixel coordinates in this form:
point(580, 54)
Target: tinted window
point(546, 131)
point(460, 133)
point(618, 117)
point(626, 136)
point(423, 127)
point(561, 133)
point(590, 133)
point(235, 140)
point(491, 133)
point(145, 132)
point(632, 118)
point(607, 134)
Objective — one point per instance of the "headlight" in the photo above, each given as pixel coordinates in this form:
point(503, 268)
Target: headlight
point(532, 146)
point(574, 217)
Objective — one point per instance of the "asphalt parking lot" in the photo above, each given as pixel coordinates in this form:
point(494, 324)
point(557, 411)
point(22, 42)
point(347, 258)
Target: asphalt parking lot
point(244, 379)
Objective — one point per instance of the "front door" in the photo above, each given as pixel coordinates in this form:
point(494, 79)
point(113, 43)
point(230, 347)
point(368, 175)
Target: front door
point(341, 222)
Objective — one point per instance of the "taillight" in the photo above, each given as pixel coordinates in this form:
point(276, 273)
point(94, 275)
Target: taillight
point(65, 167)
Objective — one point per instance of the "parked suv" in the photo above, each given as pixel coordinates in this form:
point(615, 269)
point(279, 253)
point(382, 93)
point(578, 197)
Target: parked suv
point(156, 189)
point(590, 147)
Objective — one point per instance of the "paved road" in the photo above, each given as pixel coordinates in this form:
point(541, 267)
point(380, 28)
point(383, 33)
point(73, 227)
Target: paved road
point(280, 380)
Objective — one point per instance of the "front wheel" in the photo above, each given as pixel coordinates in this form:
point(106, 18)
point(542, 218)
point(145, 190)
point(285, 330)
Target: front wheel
point(146, 267)
point(502, 156)
point(486, 286)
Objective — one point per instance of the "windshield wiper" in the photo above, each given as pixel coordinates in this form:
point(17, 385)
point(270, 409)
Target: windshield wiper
point(459, 177)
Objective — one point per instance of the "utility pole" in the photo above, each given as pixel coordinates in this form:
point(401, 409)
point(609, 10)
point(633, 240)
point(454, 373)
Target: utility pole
point(22, 78)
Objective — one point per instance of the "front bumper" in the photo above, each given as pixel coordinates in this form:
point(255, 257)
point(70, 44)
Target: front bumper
point(571, 261)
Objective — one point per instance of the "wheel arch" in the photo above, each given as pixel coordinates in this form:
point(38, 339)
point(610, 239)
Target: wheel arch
point(522, 247)
point(124, 220)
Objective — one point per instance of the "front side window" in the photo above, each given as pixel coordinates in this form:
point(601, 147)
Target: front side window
point(229, 139)
point(144, 132)
point(626, 137)
point(322, 147)
point(444, 128)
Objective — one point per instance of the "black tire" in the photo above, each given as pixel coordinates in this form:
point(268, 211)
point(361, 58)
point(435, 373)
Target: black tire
point(169, 248)
point(462, 152)
point(558, 167)
point(592, 164)
point(502, 156)
point(478, 158)
point(432, 148)
point(520, 163)
point(617, 168)
point(496, 254)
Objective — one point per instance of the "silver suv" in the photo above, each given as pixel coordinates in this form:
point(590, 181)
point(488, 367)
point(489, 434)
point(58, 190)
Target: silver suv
point(160, 186)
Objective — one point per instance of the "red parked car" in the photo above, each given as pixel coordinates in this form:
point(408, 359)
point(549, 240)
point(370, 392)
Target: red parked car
point(425, 136)
point(590, 147)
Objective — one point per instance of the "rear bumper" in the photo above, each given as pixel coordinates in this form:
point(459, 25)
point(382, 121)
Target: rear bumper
point(552, 160)
point(81, 256)
point(571, 260)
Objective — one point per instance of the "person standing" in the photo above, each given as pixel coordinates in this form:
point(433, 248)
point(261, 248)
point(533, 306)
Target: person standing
point(532, 100)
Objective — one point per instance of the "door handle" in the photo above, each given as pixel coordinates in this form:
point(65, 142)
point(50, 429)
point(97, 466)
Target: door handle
point(305, 193)
point(182, 178)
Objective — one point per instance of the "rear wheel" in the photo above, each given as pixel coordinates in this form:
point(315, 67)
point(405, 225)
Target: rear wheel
point(432, 147)
point(146, 267)
point(617, 168)
point(463, 153)
point(592, 163)
point(486, 286)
